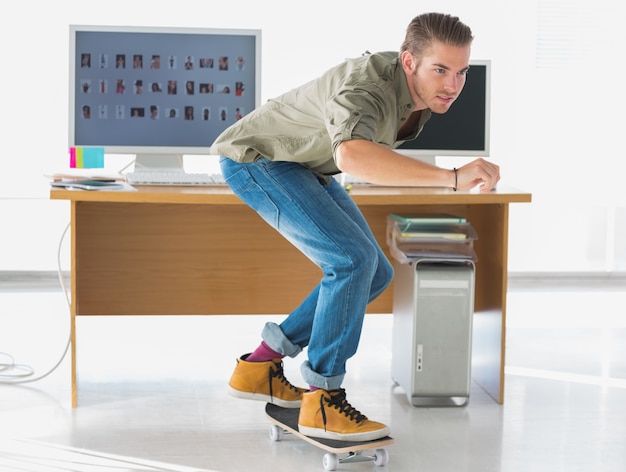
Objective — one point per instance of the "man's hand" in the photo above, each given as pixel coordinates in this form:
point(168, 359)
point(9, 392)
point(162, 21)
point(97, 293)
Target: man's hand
point(479, 172)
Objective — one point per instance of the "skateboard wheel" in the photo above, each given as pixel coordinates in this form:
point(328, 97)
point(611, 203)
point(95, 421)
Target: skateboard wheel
point(381, 457)
point(276, 433)
point(330, 461)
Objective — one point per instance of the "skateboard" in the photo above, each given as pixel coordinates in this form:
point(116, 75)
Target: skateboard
point(285, 420)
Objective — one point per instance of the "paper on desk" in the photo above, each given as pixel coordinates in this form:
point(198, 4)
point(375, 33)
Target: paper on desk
point(87, 184)
point(81, 174)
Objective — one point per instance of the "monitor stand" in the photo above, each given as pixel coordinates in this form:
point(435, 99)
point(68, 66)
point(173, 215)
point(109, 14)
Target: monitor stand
point(159, 163)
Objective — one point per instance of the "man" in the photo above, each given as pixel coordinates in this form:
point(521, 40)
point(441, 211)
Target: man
point(279, 160)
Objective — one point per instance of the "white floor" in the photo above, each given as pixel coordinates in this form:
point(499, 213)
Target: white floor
point(152, 393)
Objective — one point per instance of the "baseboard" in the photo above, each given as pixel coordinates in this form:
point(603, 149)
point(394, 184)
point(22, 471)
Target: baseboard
point(567, 280)
point(11, 281)
point(31, 280)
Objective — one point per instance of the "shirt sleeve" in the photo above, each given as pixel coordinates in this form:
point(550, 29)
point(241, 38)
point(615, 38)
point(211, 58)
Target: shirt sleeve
point(354, 113)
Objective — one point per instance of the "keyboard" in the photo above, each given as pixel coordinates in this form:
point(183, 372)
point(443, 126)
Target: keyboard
point(173, 178)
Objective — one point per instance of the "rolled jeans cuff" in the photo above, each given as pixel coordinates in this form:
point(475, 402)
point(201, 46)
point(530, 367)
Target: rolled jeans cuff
point(276, 339)
point(316, 380)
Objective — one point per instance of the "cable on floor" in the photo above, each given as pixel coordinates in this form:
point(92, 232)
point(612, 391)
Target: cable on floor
point(12, 373)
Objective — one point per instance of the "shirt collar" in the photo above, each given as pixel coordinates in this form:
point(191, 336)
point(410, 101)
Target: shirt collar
point(405, 103)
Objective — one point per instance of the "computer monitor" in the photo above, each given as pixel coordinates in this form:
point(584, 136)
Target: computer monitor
point(159, 93)
point(464, 129)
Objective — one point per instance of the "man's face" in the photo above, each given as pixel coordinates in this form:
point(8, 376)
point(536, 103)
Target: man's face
point(439, 77)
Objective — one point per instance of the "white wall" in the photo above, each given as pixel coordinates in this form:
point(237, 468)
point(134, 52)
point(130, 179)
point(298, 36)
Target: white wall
point(553, 131)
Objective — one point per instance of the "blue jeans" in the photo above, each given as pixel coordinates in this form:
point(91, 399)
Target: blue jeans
point(325, 224)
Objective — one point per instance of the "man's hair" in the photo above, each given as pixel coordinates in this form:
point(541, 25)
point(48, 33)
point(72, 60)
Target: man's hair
point(429, 27)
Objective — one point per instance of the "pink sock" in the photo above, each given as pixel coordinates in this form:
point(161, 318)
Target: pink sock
point(263, 353)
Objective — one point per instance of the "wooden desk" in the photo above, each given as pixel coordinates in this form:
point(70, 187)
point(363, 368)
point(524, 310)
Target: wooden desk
point(188, 251)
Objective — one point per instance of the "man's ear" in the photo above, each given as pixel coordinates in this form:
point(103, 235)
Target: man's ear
point(408, 62)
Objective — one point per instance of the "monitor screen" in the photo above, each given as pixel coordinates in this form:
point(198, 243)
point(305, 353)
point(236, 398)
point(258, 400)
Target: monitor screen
point(159, 91)
point(464, 129)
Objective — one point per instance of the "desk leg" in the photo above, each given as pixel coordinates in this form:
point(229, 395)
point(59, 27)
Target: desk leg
point(74, 307)
point(73, 356)
point(488, 345)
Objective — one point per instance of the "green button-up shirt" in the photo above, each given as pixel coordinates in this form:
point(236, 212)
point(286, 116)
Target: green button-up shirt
point(363, 98)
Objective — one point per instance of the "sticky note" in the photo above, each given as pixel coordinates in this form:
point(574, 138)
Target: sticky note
point(87, 157)
point(93, 158)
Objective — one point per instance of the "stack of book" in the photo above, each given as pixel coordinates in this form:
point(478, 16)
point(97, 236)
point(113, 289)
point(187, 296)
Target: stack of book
point(430, 236)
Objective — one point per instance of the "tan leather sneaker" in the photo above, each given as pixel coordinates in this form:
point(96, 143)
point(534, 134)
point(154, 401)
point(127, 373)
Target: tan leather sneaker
point(327, 414)
point(264, 381)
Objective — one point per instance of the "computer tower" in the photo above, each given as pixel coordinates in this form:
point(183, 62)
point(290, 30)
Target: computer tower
point(433, 307)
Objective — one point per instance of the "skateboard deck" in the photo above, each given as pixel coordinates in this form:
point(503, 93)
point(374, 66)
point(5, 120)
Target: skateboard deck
point(286, 420)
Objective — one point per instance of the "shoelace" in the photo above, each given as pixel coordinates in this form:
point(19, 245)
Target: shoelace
point(279, 374)
point(337, 399)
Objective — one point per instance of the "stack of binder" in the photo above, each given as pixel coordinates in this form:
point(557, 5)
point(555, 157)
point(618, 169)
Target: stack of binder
point(439, 236)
